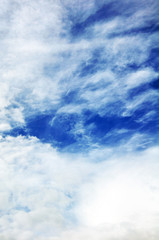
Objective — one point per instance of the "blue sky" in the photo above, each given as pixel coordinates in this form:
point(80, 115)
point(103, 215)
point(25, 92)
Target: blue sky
point(79, 119)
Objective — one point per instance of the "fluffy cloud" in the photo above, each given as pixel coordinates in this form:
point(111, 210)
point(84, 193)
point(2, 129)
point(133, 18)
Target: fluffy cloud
point(45, 194)
point(36, 188)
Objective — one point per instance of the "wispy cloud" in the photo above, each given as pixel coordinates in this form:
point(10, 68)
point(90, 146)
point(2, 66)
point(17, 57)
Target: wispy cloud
point(79, 120)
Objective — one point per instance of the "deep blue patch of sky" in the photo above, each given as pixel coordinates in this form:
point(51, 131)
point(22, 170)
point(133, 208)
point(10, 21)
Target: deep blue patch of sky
point(154, 85)
point(148, 29)
point(93, 65)
point(107, 12)
point(153, 60)
point(60, 130)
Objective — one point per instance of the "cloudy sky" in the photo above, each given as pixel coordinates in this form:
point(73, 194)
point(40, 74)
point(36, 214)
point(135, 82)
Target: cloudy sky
point(79, 120)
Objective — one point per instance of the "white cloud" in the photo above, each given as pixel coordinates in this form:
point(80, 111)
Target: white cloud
point(48, 195)
point(37, 188)
point(30, 43)
point(4, 127)
point(123, 192)
point(140, 77)
point(121, 202)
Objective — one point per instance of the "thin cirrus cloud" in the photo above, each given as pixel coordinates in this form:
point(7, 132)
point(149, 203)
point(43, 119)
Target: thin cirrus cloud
point(79, 120)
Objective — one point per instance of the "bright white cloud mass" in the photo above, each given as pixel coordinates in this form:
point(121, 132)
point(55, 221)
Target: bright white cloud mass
point(79, 120)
